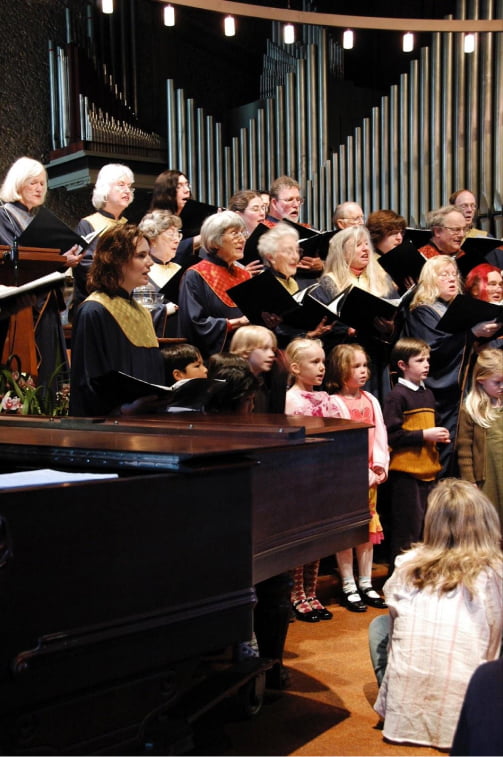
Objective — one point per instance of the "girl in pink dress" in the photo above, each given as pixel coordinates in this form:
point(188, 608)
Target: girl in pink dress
point(347, 373)
point(306, 359)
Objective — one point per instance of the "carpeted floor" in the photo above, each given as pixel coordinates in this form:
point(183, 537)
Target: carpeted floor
point(327, 709)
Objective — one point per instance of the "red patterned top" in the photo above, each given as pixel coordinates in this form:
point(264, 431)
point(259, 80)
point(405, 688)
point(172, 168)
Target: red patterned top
point(220, 278)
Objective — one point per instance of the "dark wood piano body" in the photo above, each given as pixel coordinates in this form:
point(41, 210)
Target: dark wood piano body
point(111, 590)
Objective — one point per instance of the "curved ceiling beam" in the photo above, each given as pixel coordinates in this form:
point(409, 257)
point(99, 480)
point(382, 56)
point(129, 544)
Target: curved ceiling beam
point(353, 22)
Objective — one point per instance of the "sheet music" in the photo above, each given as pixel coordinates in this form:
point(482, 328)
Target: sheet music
point(47, 476)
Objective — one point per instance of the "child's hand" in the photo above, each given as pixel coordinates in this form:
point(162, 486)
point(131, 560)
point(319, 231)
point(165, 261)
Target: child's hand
point(380, 473)
point(436, 434)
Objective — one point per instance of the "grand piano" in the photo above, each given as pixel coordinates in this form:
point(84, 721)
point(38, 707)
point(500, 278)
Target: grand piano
point(113, 590)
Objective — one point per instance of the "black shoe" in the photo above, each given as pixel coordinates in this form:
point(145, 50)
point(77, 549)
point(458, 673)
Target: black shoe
point(372, 598)
point(318, 608)
point(310, 616)
point(351, 600)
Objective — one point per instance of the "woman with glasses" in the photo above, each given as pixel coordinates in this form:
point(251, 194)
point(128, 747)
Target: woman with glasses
point(439, 283)
point(170, 192)
point(162, 229)
point(112, 194)
point(208, 316)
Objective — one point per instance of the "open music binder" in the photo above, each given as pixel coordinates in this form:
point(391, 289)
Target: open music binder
point(466, 311)
point(312, 243)
point(8, 294)
point(49, 232)
point(358, 308)
point(193, 215)
point(474, 252)
point(122, 388)
point(402, 263)
point(265, 294)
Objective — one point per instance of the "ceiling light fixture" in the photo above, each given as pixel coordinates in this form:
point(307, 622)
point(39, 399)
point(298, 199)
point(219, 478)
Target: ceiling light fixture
point(169, 15)
point(348, 39)
point(408, 42)
point(469, 43)
point(288, 34)
point(229, 26)
point(107, 6)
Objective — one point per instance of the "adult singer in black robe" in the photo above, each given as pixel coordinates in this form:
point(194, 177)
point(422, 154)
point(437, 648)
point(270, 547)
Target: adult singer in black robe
point(24, 191)
point(111, 330)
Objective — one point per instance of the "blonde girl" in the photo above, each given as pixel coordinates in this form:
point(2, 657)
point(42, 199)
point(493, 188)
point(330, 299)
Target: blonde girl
point(480, 433)
point(446, 617)
point(259, 346)
point(306, 359)
point(347, 373)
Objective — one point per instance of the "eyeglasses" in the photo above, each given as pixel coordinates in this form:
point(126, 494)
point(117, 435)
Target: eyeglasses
point(122, 186)
point(455, 229)
point(355, 219)
point(467, 206)
point(183, 185)
point(173, 233)
point(446, 275)
point(291, 200)
point(236, 234)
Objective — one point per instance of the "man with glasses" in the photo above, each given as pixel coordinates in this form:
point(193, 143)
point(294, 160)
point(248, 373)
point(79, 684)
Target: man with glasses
point(285, 204)
point(348, 214)
point(448, 228)
point(464, 201)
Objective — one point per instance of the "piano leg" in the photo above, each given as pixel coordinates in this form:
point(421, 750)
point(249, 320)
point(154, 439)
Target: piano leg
point(271, 620)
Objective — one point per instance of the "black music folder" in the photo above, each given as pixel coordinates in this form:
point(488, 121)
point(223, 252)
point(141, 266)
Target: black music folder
point(193, 215)
point(466, 311)
point(265, 294)
point(171, 289)
point(251, 252)
point(122, 388)
point(418, 237)
point(402, 263)
point(49, 232)
point(312, 243)
point(475, 250)
point(358, 308)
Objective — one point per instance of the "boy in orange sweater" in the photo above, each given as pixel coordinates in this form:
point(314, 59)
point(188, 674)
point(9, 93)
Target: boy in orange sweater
point(409, 415)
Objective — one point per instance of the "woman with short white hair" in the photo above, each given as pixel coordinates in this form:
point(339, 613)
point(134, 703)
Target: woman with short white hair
point(208, 315)
point(23, 192)
point(112, 194)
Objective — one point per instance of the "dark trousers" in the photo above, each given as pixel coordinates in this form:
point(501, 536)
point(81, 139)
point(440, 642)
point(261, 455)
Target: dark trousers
point(408, 498)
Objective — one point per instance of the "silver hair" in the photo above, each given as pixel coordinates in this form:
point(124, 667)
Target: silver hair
point(268, 242)
point(109, 175)
point(154, 223)
point(18, 175)
point(215, 226)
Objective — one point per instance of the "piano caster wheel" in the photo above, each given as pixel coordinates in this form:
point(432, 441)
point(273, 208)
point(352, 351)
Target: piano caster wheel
point(251, 696)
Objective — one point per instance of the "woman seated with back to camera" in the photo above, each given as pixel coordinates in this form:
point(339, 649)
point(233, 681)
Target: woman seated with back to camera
point(445, 600)
point(208, 315)
point(111, 330)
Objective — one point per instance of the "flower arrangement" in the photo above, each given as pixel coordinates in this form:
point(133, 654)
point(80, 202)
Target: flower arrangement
point(20, 395)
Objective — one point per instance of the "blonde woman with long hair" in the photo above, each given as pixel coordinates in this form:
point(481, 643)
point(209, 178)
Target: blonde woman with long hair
point(439, 283)
point(480, 433)
point(445, 600)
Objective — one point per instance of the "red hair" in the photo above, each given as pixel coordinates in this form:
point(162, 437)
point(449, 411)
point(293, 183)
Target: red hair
point(478, 277)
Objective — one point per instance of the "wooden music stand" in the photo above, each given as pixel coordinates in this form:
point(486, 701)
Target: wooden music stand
point(32, 262)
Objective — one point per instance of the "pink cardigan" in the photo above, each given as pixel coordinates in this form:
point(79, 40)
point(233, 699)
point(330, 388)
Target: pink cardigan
point(379, 455)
